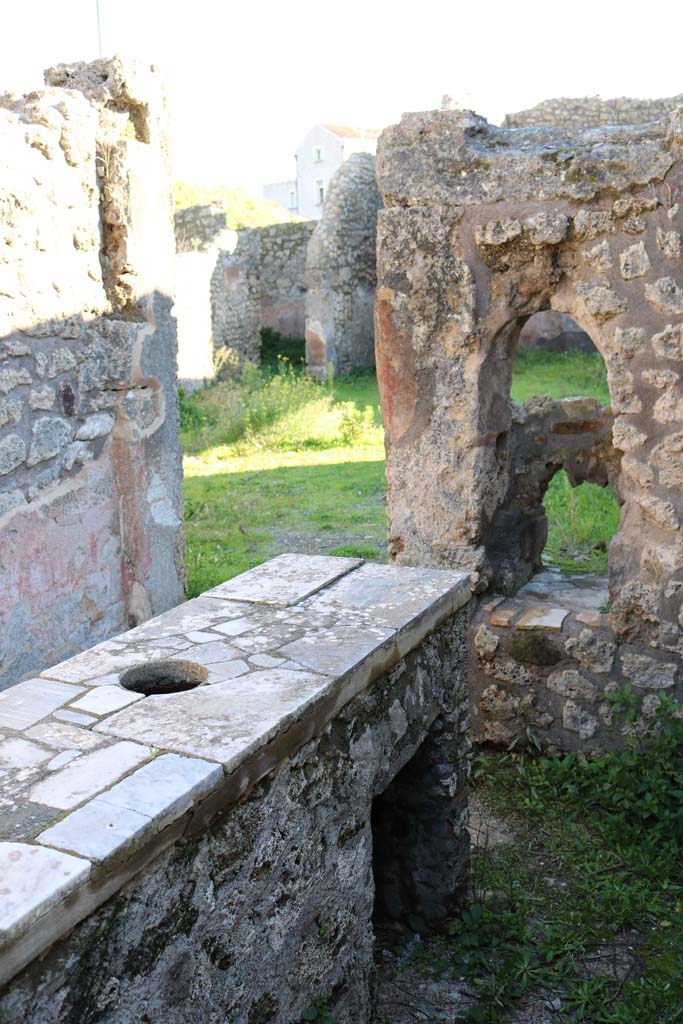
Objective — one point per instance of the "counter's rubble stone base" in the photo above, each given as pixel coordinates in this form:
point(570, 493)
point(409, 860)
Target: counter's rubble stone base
point(341, 272)
point(213, 855)
point(482, 228)
point(258, 284)
point(90, 502)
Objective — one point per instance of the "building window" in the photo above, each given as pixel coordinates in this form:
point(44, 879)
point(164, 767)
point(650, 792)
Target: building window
point(319, 192)
point(317, 154)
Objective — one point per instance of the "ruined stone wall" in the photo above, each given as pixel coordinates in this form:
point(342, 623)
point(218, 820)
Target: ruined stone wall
point(341, 272)
point(482, 228)
point(90, 527)
point(259, 284)
point(198, 227)
point(545, 663)
point(591, 112)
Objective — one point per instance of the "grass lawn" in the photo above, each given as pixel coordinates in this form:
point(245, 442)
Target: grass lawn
point(277, 462)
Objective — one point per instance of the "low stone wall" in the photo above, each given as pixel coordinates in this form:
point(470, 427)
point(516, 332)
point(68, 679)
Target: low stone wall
point(543, 664)
point(592, 111)
point(341, 272)
point(91, 534)
point(218, 853)
point(197, 228)
point(259, 284)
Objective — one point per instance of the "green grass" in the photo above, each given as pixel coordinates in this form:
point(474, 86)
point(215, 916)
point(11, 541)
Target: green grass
point(277, 462)
point(580, 913)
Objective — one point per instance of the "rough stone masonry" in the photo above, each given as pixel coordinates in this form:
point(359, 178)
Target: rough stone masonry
point(482, 228)
point(218, 854)
point(91, 537)
point(341, 272)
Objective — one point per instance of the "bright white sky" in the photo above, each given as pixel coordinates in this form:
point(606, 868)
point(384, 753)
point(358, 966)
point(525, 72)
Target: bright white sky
point(247, 79)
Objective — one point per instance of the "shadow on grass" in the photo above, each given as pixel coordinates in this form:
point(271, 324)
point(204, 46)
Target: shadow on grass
point(234, 521)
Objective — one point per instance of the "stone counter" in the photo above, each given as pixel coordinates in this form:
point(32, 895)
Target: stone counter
point(207, 854)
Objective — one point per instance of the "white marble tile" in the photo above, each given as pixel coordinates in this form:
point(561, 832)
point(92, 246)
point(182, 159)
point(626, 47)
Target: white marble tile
point(98, 830)
point(266, 661)
point(197, 636)
point(26, 703)
point(17, 752)
point(165, 788)
point(284, 580)
point(33, 879)
point(64, 735)
point(105, 699)
point(223, 670)
point(234, 627)
point(77, 717)
point(63, 758)
point(206, 654)
point(88, 775)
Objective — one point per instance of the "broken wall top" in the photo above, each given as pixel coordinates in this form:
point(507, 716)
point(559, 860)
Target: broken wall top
point(458, 158)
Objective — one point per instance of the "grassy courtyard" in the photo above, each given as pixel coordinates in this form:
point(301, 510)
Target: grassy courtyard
point(277, 462)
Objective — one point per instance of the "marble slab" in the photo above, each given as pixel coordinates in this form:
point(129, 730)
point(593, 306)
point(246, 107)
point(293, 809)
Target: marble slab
point(32, 880)
point(27, 703)
point(285, 580)
point(224, 722)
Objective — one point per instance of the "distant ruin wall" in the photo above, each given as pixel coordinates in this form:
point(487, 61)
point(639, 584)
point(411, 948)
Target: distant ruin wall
point(260, 284)
point(90, 504)
point(198, 227)
point(591, 112)
point(341, 272)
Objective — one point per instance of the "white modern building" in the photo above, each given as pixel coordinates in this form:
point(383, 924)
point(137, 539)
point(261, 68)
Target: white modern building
point(321, 152)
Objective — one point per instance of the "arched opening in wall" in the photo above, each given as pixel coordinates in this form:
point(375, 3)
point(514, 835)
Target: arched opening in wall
point(565, 460)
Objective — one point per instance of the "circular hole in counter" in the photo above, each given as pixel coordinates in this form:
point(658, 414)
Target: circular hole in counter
point(162, 677)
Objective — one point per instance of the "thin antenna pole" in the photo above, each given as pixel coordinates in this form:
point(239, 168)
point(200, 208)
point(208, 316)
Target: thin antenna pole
point(99, 30)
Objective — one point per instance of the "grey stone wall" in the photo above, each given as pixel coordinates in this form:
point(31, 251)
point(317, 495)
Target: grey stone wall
point(259, 284)
point(588, 223)
point(591, 112)
point(198, 227)
point(341, 272)
point(90, 526)
point(268, 906)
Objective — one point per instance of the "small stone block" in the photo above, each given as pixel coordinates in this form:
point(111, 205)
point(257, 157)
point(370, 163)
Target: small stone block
point(543, 618)
point(589, 617)
point(97, 831)
point(234, 627)
point(89, 775)
point(503, 616)
point(77, 717)
point(197, 636)
point(207, 654)
point(32, 880)
point(104, 699)
point(165, 788)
